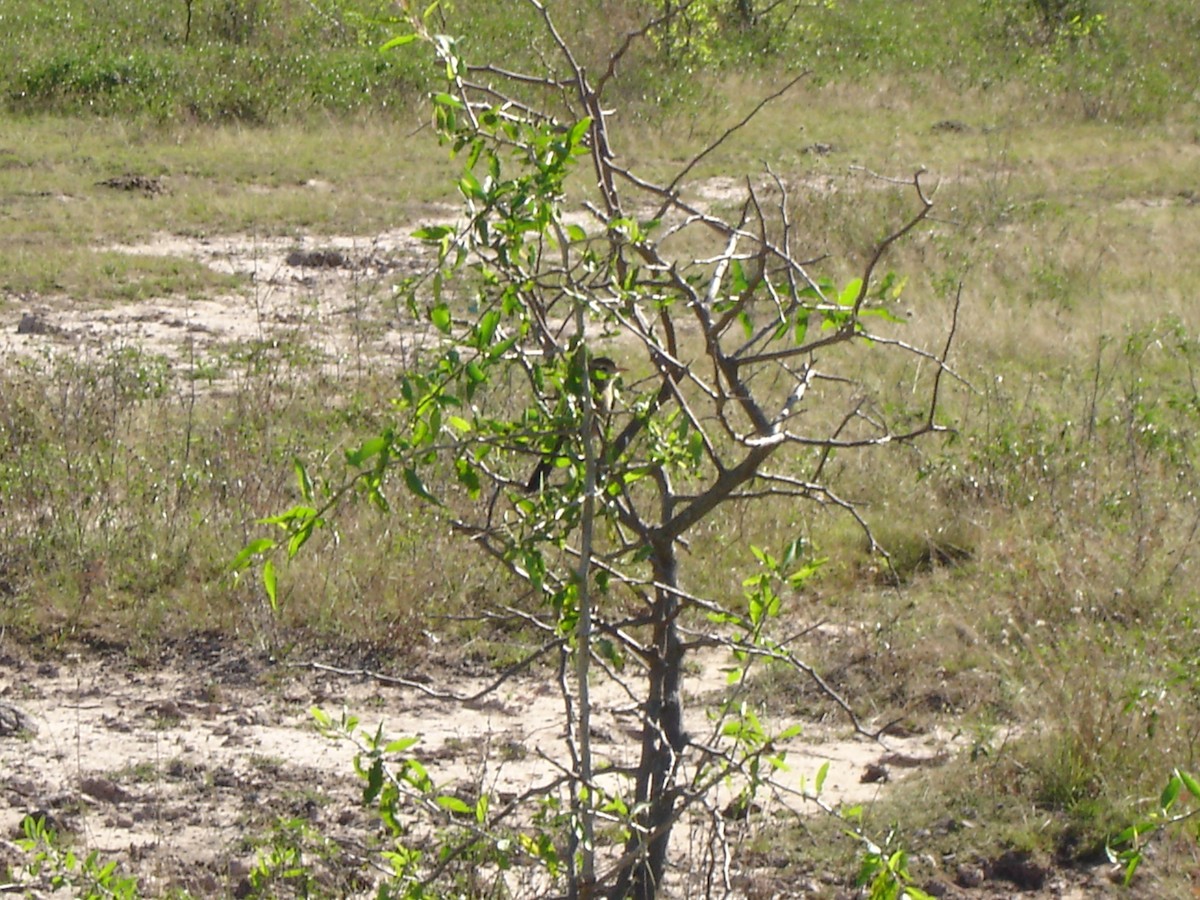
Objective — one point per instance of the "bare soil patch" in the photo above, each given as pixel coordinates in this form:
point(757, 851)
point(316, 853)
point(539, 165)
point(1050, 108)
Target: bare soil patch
point(177, 767)
point(332, 295)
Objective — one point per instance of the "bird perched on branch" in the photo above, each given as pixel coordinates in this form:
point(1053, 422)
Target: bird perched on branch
point(603, 374)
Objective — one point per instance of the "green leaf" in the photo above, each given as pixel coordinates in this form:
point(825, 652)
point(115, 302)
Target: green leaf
point(297, 513)
point(448, 100)
point(723, 618)
point(746, 322)
point(300, 538)
point(760, 555)
point(503, 347)
point(1190, 783)
point(487, 328)
point(885, 314)
point(578, 130)
point(269, 583)
point(470, 187)
point(433, 233)
point(805, 572)
point(413, 482)
point(611, 653)
point(416, 775)
point(374, 491)
point(1170, 793)
point(468, 477)
point(374, 780)
point(401, 744)
point(453, 805)
point(440, 316)
point(850, 292)
point(302, 479)
point(399, 41)
point(801, 325)
point(1127, 836)
point(369, 448)
point(1135, 860)
point(576, 233)
point(254, 548)
point(821, 775)
point(737, 277)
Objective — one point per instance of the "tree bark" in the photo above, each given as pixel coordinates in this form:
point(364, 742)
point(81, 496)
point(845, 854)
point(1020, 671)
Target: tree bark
point(663, 739)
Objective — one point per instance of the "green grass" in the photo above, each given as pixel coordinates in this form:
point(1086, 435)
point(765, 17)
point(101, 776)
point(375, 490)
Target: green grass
point(1060, 632)
point(258, 61)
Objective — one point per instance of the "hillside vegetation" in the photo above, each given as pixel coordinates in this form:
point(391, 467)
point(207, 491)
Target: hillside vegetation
point(257, 61)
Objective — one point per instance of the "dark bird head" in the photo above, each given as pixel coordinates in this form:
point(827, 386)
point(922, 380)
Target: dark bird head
point(603, 372)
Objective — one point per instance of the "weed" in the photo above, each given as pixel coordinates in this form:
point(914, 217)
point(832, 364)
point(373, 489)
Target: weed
point(61, 868)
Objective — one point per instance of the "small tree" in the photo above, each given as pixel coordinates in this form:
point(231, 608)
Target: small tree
point(735, 390)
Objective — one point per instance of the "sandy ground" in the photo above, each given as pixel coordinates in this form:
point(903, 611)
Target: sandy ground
point(173, 768)
point(331, 295)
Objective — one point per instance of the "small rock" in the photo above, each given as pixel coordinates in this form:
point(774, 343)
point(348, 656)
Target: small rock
point(14, 721)
point(949, 825)
point(196, 883)
point(873, 774)
point(116, 723)
point(1021, 869)
point(144, 183)
point(241, 868)
point(968, 876)
point(951, 125)
point(740, 809)
point(32, 323)
point(1116, 874)
point(104, 789)
point(166, 710)
point(908, 761)
point(22, 787)
point(318, 259)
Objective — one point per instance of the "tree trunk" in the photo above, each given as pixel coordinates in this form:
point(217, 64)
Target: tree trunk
point(663, 738)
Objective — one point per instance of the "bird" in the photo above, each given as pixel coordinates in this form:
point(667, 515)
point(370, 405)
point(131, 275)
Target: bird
point(604, 374)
